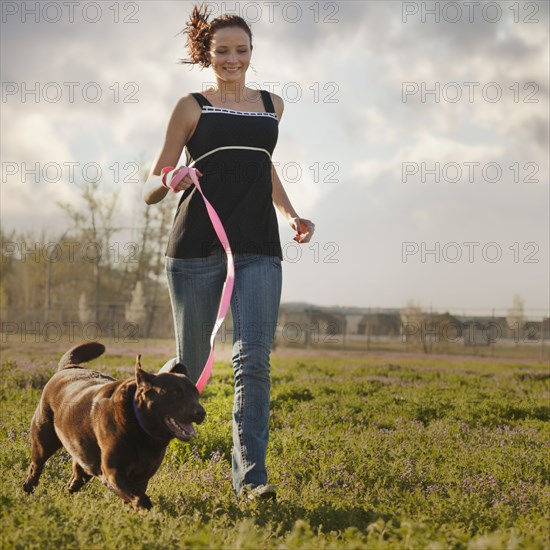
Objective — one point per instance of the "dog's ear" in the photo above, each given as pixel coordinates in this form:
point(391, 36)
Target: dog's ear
point(143, 378)
point(179, 368)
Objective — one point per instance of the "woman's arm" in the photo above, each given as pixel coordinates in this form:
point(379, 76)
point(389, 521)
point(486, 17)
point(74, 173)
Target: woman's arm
point(304, 228)
point(181, 126)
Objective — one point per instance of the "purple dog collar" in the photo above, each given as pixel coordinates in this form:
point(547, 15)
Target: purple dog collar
point(139, 421)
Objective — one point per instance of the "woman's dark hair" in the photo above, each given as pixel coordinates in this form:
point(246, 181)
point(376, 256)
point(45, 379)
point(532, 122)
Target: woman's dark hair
point(200, 31)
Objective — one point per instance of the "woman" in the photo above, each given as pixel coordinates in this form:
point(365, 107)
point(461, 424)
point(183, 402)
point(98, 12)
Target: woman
point(242, 185)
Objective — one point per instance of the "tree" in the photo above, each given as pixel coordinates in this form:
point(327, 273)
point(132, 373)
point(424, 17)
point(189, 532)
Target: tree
point(515, 317)
point(136, 312)
point(79, 275)
point(153, 240)
point(413, 325)
point(85, 315)
point(93, 227)
point(7, 266)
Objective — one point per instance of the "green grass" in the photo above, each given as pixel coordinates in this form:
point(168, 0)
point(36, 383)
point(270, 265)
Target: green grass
point(419, 453)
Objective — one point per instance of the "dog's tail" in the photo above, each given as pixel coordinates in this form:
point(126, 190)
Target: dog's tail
point(82, 353)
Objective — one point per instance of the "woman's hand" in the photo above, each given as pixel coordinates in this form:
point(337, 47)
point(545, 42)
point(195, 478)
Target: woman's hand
point(185, 183)
point(304, 229)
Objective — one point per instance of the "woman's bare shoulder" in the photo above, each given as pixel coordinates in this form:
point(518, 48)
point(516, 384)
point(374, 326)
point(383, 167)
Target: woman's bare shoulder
point(187, 103)
point(186, 111)
point(278, 103)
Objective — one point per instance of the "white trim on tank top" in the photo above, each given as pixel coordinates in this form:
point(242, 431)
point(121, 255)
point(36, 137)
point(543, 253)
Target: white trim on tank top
point(230, 147)
point(209, 110)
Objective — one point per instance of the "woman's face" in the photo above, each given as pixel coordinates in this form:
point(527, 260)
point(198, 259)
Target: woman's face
point(230, 53)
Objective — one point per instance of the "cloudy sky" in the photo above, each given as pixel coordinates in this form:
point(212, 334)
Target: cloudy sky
point(415, 134)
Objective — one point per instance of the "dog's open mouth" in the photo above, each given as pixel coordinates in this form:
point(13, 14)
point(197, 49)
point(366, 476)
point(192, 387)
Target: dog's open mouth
point(185, 432)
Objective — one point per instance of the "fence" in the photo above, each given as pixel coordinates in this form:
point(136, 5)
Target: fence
point(299, 328)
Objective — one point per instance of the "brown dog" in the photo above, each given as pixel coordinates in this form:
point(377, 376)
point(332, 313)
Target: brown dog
point(116, 430)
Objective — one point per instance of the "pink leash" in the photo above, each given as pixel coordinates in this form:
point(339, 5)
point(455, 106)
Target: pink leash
point(225, 299)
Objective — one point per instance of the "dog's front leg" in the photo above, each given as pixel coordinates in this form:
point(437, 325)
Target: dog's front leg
point(117, 481)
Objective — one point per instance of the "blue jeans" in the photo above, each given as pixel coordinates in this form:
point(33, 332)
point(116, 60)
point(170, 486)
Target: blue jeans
point(195, 287)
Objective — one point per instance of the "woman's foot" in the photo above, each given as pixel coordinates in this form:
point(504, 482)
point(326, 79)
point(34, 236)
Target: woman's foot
point(261, 492)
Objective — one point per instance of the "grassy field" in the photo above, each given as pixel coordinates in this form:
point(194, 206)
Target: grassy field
point(367, 451)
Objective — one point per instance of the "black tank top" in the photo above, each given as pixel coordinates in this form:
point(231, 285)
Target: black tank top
point(237, 182)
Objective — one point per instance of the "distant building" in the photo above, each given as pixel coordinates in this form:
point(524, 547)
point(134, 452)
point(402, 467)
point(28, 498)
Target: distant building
point(305, 324)
point(380, 324)
point(484, 330)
